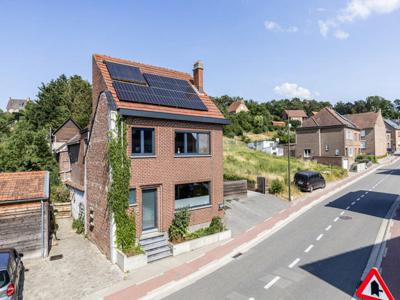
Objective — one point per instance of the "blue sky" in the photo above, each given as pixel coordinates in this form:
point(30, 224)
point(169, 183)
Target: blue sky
point(329, 50)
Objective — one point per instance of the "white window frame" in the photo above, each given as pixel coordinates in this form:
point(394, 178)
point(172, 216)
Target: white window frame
point(307, 153)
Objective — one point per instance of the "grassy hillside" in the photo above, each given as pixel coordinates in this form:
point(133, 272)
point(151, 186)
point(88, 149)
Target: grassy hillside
point(243, 163)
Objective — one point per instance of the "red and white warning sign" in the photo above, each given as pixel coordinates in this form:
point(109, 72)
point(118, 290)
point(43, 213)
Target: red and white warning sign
point(374, 288)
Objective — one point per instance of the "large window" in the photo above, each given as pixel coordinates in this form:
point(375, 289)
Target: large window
point(142, 141)
point(192, 143)
point(192, 195)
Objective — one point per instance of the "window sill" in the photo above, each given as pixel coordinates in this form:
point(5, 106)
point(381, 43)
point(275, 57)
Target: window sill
point(143, 156)
point(197, 207)
point(192, 155)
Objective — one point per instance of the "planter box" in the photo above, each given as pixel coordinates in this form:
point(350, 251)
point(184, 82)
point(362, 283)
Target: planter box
point(128, 263)
point(200, 242)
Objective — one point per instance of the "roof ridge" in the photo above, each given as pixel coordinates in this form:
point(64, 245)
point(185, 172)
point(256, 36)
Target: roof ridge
point(128, 61)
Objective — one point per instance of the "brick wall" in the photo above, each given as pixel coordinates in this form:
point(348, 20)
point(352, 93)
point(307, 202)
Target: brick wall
point(165, 170)
point(307, 139)
point(97, 179)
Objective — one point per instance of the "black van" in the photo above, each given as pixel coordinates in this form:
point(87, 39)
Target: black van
point(309, 181)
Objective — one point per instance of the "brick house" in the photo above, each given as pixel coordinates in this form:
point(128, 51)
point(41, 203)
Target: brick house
point(294, 115)
point(372, 132)
point(393, 132)
point(16, 105)
point(24, 212)
point(328, 138)
point(174, 142)
point(237, 106)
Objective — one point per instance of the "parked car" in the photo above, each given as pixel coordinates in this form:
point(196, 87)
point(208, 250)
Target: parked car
point(11, 270)
point(309, 181)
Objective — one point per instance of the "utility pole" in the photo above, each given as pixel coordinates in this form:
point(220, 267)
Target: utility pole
point(288, 157)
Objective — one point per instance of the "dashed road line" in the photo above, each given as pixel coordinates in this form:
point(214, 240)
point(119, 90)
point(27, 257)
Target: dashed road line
point(329, 227)
point(309, 248)
point(348, 207)
point(342, 213)
point(272, 282)
point(362, 196)
point(336, 219)
point(352, 203)
point(320, 236)
point(294, 263)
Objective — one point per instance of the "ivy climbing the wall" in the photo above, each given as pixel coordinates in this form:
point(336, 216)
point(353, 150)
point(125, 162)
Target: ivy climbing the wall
point(119, 190)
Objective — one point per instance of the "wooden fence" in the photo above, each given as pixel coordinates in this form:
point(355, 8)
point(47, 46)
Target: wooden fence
point(235, 189)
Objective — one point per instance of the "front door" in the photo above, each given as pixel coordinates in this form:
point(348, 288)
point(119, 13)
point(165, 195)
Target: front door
point(149, 209)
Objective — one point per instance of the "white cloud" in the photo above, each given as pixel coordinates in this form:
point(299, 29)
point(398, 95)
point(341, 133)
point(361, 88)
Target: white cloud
point(272, 26)
point(341, 35)
point(364, 8)
point(292, 90)
point(356, 9)
point(275, 27)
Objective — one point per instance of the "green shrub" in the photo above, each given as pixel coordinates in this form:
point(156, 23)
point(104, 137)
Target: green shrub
point(364, 158)
point(78, 225)
point(215, 226)
point(179, 227)
point(275, 187)
point(59, 193)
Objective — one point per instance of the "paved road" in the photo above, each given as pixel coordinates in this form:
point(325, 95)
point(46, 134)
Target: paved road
point(320, 255)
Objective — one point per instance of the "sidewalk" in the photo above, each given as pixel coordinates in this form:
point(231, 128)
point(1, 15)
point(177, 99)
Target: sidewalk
point(390, 265)
point(186, 273)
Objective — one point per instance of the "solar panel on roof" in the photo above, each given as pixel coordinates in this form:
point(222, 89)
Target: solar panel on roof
point(169, 83)
point(158, 96)
point(125, 73)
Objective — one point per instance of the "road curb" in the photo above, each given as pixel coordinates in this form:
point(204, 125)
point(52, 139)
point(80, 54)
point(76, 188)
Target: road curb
point(175, 285)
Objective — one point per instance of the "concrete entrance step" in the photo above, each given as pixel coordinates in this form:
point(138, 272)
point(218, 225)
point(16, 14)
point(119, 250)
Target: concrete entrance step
point(155, 245)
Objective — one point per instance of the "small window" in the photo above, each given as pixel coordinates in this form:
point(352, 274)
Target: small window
point(132, 197)
point(363, 144)
point(307, 152)
point(362, 133)
point(326, 147)
point(192, 195)
point(337, 152)
point(192, 143)
point(142, 141)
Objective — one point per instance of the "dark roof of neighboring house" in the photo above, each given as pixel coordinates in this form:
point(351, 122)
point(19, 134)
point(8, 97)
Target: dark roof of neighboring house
point(235, 105)
point(327, 117)
point(211, 112)
point(295, 113)
point(16, 103)
point(65, 122)
point(393, 123)
point(24, 186)
point(364, 120)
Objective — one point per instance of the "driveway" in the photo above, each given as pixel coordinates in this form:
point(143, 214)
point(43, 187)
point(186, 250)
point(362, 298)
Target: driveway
point(81, 271)
point(242, 214)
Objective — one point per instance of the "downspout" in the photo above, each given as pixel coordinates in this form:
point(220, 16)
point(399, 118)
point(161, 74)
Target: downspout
point(42, 226)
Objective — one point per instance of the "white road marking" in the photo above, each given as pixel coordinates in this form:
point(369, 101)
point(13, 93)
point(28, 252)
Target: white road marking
point(272, 282)
point(267, 219)
point(352, 203)
point(348, 207)
point(320, 236)
point(251, 228)
point(336, 219)
point(294, 263)
point(329, 227)
point(252, 298)
point(366, 193)
point(342, 213)
point(362, 196)
point(309, 248)
point(358, 199)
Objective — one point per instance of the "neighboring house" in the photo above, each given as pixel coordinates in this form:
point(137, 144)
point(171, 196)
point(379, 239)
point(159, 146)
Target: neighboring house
point(69, 146)
point(372, 132)
point(393, 129)
point(237, 107)
point(267, 146)
point(278, 123)
point(24, 212)
point(328, 138)
point(16, 105)
point(174, 136)
point(295, 115)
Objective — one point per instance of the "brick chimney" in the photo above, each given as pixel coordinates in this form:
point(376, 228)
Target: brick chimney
point(198, 75)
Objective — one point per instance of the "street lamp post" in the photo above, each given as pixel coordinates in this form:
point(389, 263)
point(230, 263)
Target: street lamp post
point(288, 157)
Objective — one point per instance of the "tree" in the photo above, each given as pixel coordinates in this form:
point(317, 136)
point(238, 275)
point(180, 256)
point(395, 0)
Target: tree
point(59, 100)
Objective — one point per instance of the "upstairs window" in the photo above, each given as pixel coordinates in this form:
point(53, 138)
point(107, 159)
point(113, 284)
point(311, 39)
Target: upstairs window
point(362, 133)
point(142, 141)
point(192, 143)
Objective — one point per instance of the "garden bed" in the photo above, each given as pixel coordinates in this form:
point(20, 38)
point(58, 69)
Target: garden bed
point(194, 244)
point(129, 263)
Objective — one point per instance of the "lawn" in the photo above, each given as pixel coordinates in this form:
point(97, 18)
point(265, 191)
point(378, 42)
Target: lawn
point(241, 162)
